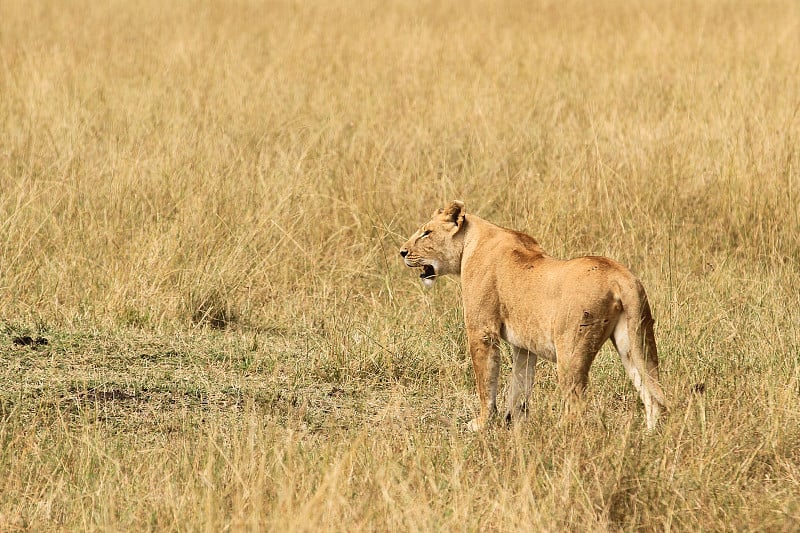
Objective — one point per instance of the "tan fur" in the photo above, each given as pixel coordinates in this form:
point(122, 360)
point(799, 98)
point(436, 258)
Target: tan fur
point(562, 311)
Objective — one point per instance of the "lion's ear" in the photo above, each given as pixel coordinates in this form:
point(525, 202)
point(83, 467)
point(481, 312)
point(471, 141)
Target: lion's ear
point(455, 213)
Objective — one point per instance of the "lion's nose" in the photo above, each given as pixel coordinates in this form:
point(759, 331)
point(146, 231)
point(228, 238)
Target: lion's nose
point(403, 252)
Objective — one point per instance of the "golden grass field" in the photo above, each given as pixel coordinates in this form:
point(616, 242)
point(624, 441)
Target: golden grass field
point(201, 205)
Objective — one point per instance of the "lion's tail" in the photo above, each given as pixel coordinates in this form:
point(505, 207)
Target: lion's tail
point(636, 343)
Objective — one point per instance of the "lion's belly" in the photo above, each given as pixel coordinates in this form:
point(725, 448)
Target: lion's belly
point(532, 340)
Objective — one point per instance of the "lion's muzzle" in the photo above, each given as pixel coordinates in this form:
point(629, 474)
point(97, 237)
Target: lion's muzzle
point(428, 274)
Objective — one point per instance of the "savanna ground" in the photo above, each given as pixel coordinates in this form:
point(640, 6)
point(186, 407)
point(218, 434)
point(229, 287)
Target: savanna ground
point(204, 322)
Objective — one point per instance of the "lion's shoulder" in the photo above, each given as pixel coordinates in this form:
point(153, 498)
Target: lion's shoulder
point(503, 245)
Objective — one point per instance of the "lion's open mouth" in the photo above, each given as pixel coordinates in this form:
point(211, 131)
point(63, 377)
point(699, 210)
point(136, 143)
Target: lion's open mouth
point(428, 272)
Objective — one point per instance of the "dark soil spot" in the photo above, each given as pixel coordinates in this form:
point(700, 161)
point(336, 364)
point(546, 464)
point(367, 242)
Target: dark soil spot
point(27, 340)
point(699, 388)
point(95, 395)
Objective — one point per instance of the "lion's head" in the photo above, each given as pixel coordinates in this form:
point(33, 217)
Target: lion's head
point(437, 246)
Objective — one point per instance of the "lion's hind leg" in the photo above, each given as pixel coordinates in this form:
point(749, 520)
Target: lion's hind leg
point(573, 360)
point(575, 353)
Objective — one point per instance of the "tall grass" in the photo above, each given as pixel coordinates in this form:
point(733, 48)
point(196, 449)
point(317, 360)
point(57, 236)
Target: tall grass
point(200, 209)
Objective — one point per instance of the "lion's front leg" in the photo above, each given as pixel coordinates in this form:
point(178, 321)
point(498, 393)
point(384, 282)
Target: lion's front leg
point(519, 390)
point(484, 347)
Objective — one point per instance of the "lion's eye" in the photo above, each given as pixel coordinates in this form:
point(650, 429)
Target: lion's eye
point(425, 233)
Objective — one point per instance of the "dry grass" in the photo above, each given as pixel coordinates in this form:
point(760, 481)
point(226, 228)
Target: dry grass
point(200, 210)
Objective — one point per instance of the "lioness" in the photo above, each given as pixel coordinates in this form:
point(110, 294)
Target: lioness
point(543, 307)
